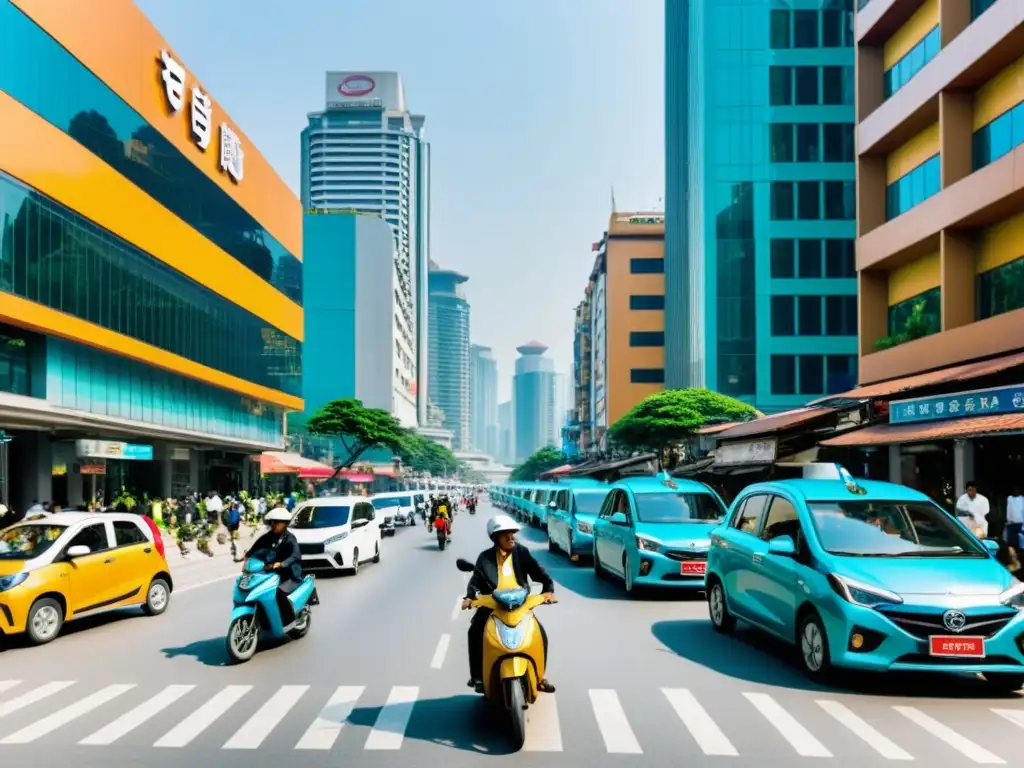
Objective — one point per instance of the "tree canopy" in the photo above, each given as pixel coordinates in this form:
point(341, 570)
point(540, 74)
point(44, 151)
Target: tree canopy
point(358, 428)
point(423, 455)
point(538, 463)
point(668, 417)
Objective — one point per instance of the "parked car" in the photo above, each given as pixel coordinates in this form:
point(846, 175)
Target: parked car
point(337, 533)
point(398, 506)
point(571, 517)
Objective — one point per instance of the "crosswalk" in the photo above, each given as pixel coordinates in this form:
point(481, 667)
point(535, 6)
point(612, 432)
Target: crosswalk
point(318, 718)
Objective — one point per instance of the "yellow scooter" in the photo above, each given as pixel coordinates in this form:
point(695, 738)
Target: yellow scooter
point(513, 652)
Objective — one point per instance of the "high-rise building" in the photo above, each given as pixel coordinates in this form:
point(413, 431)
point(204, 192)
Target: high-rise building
point(366, 152)
point(483, 376)
point(581, 419)
point(760, 199)
point(506, 433)
point(448, 355)
point(533, 395)
point(150, 287)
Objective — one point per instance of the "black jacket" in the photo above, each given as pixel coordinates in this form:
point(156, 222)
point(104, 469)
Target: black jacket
point(524, 564)
point(286, 552)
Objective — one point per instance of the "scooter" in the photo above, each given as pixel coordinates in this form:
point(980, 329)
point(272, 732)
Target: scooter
point(513, 652)
point(442, 538)
point(256, 614)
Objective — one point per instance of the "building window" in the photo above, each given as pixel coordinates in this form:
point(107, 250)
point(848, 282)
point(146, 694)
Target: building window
point(839, 258)
point(783, 374)
point(807, 147)
point(978, 7)
point(840, 315)
point(999, 137)
point(647, 338)
point(15, 360)
point(900, 312)
point(837, 139)
point(913, 61)
point(913, 188)
point(780, 86)
point(840, 200)
point(783, 203)
point(840, 373)
point(783, 316)
point(806, 90)
point(809, 258)
point(837, 28)
point(1001, 289)
point(812, 375)
point(780, 33)
point(782, 258)
point(646, 301)
point(647, 266)
point(837, 85)
point(780, 142)
point(647, 375)
point(809, 197)
point(809, 313)
point(805, 29)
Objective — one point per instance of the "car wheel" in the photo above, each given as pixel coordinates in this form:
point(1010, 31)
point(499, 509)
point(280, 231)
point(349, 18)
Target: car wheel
point(721, 619)
point(812, 642)
point(1003, 682)
point(45, 619)
point(355, 561)
point(627, 577)
point(376, 555)
point(157, 598)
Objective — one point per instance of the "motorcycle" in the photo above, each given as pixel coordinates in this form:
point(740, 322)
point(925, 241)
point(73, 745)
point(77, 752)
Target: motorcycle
point(442, 538)
point(256, 613)
point(513, 652)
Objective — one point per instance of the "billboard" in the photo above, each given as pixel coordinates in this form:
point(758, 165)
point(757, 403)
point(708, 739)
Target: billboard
point(360, 90)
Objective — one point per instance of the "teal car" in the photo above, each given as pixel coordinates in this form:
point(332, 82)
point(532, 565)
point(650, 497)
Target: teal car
point(571, 519)
point(536, 510)
point(866, 575)
point(655, 531)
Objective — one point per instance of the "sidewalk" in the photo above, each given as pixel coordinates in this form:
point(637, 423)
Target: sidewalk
point(197, 568)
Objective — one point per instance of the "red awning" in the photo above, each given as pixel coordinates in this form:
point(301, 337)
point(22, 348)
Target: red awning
point(355, 477)
point(282, 463)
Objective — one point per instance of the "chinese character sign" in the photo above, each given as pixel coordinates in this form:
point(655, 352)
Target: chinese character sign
point(231, 155)
point(202, 113)
point(174, 81)
point(961, 405)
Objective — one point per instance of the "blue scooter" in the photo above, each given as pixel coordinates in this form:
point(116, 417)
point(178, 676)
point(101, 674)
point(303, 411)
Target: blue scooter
point(256, 614)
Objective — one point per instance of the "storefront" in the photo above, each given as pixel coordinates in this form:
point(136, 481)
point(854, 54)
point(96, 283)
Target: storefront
point(101, 468)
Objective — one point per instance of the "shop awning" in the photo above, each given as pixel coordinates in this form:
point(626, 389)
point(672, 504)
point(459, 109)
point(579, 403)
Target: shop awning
point(283, 463)
point(355, 477)
point(887, 434)
point(714, 429)
point(555, 472)
point(776, 422)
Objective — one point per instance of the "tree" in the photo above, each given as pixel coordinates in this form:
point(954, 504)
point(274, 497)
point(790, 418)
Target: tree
point(422, 455)
point(357, 428)
point(538, 463)
point(663, 420)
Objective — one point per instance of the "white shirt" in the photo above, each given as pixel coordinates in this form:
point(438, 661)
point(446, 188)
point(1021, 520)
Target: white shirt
point(214, 504)
point(977, 508)
point(1015, 509)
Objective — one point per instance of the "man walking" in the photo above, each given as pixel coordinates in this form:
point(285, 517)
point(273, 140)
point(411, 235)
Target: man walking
point(974, 506)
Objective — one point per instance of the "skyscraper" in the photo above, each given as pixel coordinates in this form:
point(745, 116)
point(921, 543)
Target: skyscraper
point(366, 152)
point(506, 433)
point(533, 395)
point(760, 214)
point(448, 354)
point(483, 376)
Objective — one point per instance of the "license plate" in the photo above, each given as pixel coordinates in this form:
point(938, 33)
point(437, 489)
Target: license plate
point(957, 646)
point(693, 568)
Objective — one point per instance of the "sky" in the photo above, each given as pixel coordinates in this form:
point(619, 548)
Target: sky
point(535, 110)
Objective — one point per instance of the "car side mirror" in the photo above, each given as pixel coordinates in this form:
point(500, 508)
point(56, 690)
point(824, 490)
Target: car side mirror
point(991, 545)
point(360, 523)
point(619, 518)
point(79, 550)
point(782, 546)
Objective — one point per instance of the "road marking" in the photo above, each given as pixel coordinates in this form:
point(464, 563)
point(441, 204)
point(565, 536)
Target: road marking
point(611, 719)
point(953, 739)
point(325, 729)
point(389, 730)
point(543, 733)
point(64, 716)
point(458, 608)
point(698, 722)
point(208, 582)
point(141, 714)
point(6, 685)
point(799, 737)
point(1015, 716)
point(440, 652)
point(36, 694)
point(879, 742)
point(193, 725)
point(256, 729)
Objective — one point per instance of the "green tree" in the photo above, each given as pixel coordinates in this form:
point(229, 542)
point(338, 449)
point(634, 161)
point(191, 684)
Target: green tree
point(916, 326)
point(357, 428)
point(660, 422)
point(538, 463)
point(422, 455)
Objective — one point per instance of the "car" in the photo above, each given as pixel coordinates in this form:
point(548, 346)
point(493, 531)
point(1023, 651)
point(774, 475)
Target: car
point(571, 517)
point(337, 533)
point(865, 575)
point(655, 531)
point(398, 506)
point(66, 565)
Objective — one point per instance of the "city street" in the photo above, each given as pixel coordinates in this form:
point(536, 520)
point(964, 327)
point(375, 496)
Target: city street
point(381, 680)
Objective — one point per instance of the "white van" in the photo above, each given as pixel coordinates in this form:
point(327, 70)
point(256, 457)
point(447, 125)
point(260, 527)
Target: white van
point(398, 505)
point(337, 532)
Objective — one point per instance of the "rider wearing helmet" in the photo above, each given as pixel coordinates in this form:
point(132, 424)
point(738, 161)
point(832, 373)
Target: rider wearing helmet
point(506, 565)
point(286, 559)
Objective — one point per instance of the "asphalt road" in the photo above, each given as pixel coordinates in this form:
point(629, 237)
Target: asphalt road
point(380, 681)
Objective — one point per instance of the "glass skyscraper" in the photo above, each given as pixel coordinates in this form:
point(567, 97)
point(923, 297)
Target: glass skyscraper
point(760, 206)
point(448, 354)
point(533, 397)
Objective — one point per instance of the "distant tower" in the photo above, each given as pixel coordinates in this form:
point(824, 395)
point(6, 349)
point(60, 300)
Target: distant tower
point(533, 391)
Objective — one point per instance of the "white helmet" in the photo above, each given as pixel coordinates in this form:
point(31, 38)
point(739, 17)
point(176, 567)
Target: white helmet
point(279, 515)
point(500, 523)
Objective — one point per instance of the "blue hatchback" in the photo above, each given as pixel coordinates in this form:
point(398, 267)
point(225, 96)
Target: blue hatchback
point(866, 575)
point(571, 518)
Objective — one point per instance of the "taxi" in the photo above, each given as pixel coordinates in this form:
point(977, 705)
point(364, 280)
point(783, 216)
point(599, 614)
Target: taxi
point(70, 564)
point(866, 575)
point(572, 513)
point(655, 531)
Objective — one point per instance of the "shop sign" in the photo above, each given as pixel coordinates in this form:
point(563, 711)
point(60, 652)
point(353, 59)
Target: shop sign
point(751, 452)
point(108, 449)
point(232, 158)
point(980, 402)
point(638, 220)
point(59, 470)
point(93, 469)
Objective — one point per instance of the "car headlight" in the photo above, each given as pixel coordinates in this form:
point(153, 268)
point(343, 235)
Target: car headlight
point(1014, 596)
point(336, 538)
point(10, 582)
point(584, 527)
point(648, 545)
point(861, 594)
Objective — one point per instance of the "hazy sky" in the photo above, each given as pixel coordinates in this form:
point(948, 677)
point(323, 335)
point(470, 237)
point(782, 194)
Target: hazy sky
point(535, 109)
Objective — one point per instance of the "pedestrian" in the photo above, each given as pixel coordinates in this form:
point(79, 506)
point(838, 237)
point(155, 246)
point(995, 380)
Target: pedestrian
point(976, 507)
point(234, 520)
point(1014, 518)
point(214, 507)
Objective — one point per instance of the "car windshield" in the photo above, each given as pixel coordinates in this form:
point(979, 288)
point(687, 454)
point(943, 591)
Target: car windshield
point(590, 503)
point(315, 516)
point(385, 503)
point(891, 529)
point(24, 542)
point(405, 501)
point(678, 508)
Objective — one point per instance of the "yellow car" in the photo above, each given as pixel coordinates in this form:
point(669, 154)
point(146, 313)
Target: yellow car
point(70, 564)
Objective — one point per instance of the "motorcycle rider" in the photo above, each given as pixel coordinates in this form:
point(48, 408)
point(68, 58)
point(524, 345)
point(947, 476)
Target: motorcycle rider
point(287, 560)
point(506, 565)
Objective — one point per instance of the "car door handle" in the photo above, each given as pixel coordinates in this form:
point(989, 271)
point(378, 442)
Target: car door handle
point(147, 550)
point(109, 560)
point(757, 557)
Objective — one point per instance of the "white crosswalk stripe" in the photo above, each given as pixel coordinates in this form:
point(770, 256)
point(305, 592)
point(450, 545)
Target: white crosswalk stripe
point(327, 727)
point(6, 685)
point(698, 722)
point(611, 718)
point(37, 694)
point(389, 730)
point(259, 726)
point(64, 716)
point(136, 717)
point(193, 725)
point(858, 725)
point(543, 731)
point(943, 732)
point(799, 737)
